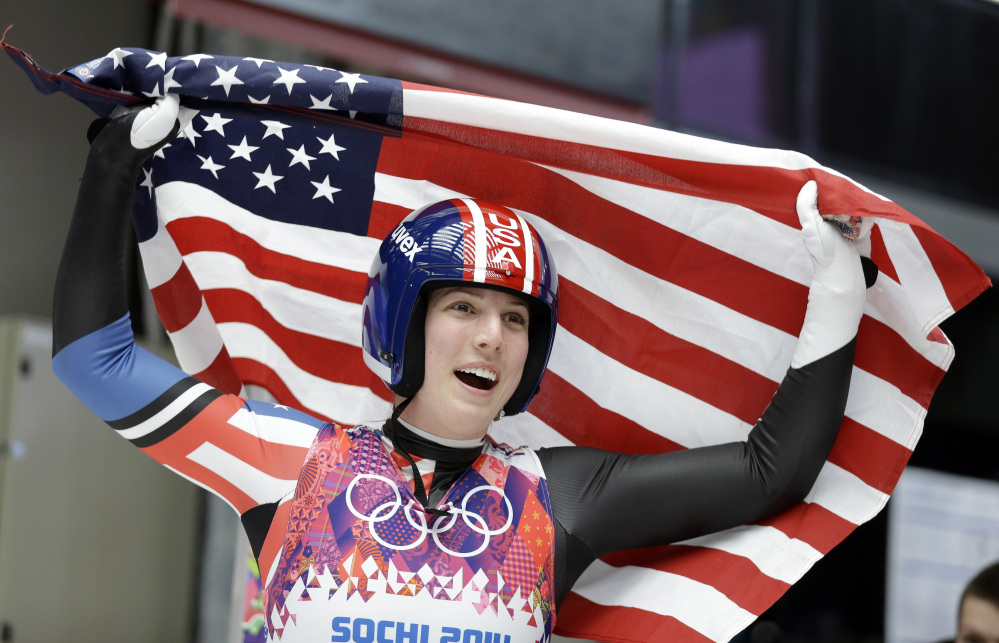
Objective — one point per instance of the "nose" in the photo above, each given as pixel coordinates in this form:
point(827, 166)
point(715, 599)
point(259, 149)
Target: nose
point(489, 333)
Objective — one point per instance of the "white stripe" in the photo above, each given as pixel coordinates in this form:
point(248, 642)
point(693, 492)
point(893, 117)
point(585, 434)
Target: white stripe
point(345, 403)
point(481, 240)
point(889, 303)
point(560, 125)
point(679, 312)
point(525, 428)
point(259, 486)
point(203, 485)
point(165, 414)
point(769, 549)
point(916, 274)
point(883, 408)
point(160, 257)
point(698, 606)
point(528, 253)
point(640, 398)
point(178, 200)
point(762, 241)
point(846, 495)
point(410, 194)
point(276, 430)
point(301, 310)
point(197, 344)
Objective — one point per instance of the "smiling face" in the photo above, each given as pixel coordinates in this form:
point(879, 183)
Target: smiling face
point(476, 346)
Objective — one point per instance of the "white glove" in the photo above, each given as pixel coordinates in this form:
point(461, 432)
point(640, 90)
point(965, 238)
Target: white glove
point(836, 296)
point(154, 123)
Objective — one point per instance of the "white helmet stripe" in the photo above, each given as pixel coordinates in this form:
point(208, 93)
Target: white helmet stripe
point(528, 254)
point(481, 240)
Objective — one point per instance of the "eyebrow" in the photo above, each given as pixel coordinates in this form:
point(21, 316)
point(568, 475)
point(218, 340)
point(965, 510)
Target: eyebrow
point(475, 292)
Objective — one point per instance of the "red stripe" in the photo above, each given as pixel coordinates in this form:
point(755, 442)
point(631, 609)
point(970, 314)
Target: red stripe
point(582, 421)
point(325, 358)
point(872, 457)
point(734, 576)
point(880, 256)
point(772, 191)
point(960, 277)
point(257, 374)
point(221, 374)
point(634, 239)
point(178, 300)
point(582, 618)
point(384, 219)
point(811, 523)
point(680, 364)
point(174, 450)
point(882, 352)
point(196, 234)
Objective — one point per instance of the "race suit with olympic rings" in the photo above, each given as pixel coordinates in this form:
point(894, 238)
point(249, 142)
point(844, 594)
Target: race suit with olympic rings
point(345, 552)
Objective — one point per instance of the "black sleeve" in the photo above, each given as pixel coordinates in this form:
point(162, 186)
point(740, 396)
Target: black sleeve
point(90, 283)
point(605, 501)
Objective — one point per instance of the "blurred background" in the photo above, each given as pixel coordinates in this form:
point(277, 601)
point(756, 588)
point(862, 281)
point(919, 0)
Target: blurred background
point(901, 95)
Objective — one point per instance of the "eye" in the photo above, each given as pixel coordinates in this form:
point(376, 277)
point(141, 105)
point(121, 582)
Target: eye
point(460, 306)
point(519, 319)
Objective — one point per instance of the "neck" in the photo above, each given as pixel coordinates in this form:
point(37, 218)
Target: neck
point(473, 443)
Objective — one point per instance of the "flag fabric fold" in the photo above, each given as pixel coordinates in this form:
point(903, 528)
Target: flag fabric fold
point(684, 284)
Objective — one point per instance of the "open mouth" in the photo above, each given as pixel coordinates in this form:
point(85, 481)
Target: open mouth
point(479, 378)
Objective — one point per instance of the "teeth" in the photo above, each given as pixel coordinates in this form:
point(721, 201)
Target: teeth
point(480, 372)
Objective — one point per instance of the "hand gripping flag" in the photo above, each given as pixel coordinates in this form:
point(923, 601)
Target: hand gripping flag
point(684, 284)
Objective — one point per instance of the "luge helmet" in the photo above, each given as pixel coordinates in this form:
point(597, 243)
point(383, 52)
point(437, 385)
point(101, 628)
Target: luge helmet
point(455, 241)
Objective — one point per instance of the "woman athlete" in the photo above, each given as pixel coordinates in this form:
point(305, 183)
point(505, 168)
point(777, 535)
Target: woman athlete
point(424, 529)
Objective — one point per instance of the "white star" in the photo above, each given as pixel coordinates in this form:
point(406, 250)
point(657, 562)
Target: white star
point(263, 101)
point(147, 182)
point(157, 60)
point(210, 165)
point(216, 123)
point(330, 147)
point(275, 128)
point(324, 189)
point(160, 151)
point(191, 134)
point(322, 104)
point(242, 150)
point(155, 93)
point(197, 58)
point(351, 80)
point(299, 156)
point(288, 78)
point(320, 68)
point(168, 81)
point(259, 61)
point(118, 56)
point(227, 78)
point(267, 179)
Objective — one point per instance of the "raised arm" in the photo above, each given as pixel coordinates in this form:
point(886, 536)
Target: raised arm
point(180, 421)
point(606, 501)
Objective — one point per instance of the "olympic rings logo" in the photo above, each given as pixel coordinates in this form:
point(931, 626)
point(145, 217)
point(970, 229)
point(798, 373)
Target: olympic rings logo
point(388, 509)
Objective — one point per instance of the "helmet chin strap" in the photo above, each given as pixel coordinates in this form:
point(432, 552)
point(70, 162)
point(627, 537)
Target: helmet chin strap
point(418, 489)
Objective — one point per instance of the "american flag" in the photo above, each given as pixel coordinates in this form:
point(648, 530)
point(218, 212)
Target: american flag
point(683, 287)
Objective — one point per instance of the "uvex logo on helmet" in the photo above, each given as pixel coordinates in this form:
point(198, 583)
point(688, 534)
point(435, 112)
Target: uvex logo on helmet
point(407, 244)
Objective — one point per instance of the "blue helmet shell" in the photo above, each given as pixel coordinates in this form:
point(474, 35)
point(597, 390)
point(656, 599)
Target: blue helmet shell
point(459, 240)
